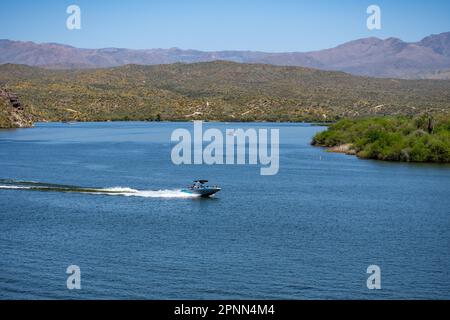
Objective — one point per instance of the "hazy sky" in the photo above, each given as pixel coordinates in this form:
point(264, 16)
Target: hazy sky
point(263, 25)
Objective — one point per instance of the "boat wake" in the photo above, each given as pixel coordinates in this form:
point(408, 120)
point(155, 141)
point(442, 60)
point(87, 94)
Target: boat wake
point(128, 192)
point(9, 184)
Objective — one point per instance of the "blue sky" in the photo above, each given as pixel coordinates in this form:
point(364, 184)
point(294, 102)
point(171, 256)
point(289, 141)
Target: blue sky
point(265, 25)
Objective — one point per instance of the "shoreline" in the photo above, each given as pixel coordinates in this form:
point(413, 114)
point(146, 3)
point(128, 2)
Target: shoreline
point(315, 124)
point(341, 150)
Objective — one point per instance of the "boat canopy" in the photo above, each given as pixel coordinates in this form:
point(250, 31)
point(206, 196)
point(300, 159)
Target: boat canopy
point(201, 181)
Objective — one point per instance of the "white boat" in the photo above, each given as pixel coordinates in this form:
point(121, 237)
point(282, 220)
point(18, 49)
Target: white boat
point(200, 188)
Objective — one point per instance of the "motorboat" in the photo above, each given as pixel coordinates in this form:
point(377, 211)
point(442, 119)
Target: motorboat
point(200, 187)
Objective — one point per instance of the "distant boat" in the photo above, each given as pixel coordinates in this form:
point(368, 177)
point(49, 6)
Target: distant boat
point(200, 188)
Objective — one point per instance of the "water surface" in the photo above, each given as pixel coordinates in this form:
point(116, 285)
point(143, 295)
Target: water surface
point(309, 232)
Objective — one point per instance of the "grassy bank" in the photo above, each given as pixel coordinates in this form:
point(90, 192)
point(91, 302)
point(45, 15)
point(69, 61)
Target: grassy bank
point(418, 139)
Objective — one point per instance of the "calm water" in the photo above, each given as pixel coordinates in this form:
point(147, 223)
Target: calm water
point(309, 232)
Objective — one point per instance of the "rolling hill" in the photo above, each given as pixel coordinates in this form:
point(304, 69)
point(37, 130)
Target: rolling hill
point(217, 90)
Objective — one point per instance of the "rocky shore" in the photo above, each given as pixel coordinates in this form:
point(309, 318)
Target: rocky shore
point(343, 148)
point(12, 113)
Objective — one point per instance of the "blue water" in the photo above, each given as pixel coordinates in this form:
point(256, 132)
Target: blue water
point(309, 232)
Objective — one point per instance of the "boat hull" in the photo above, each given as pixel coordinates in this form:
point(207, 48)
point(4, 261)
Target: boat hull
point(202, 192)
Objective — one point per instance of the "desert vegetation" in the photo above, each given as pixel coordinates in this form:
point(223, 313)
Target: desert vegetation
point(424, 138)
point(222, 91)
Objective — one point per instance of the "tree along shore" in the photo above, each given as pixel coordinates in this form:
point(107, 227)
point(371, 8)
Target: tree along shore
point(410, 139)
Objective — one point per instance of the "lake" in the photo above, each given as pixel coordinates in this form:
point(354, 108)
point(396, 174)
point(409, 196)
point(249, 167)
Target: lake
point(309, 232)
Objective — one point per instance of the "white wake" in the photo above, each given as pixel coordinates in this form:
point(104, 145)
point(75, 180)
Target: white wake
point(128, 192)
point(14, 187)
point(115, 191)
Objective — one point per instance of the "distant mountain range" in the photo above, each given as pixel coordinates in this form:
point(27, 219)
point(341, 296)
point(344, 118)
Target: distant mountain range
point(390, 58)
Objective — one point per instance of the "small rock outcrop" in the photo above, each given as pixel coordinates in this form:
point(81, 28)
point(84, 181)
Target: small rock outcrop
point(343, 148)
point(12, 113)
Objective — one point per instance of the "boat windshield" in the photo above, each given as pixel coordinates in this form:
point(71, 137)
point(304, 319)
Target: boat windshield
point(198, 185)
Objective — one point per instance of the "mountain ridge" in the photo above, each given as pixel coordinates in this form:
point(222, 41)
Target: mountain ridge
point(374, 57)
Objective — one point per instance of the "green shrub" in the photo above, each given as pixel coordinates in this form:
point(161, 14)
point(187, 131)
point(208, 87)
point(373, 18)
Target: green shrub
point(421, 139)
